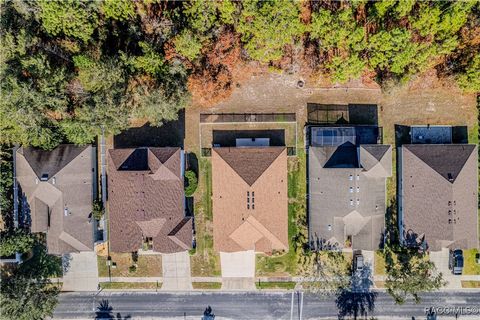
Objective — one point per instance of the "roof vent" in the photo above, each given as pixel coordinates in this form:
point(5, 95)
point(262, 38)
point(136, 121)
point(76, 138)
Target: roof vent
point(44, 177)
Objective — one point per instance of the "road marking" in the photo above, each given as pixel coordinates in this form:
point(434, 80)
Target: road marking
point(291, 307)
point(301, 305)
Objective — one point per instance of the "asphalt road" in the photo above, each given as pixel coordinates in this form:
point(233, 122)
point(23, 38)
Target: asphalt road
point(261, 305)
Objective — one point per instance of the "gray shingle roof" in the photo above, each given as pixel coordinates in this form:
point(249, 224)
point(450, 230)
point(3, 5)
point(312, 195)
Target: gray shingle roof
point(434, 205)
point(347, 194)
point(61, 205)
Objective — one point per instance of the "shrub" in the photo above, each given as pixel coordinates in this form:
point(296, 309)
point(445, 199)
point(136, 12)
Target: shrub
point(191, 183)
point(97, 209)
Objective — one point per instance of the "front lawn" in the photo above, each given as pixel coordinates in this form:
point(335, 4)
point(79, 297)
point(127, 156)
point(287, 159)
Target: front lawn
point(379, 264)
point(471, 267)
point(147, 265)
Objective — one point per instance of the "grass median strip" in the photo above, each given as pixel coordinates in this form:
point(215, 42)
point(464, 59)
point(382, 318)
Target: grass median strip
point(471, 284)
point(131, 285)
point(206, 285)
point(275, 285)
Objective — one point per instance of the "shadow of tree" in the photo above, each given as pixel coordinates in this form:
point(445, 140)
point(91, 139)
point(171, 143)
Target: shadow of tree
point(354, 304)
point(105, 311)
point(358, 300)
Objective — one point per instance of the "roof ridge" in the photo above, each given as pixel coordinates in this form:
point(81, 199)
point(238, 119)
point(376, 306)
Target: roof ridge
point(73, 242)
point(241, 174)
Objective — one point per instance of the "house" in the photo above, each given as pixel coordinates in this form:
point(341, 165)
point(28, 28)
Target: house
point(438, 191)
point(250, 200)
point(146, 200)
point(56, 195)
point(347, 172)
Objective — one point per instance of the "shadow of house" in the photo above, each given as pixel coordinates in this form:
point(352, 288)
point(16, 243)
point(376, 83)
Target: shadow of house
point(227, 138)
point(170, 134)
point(344, 156)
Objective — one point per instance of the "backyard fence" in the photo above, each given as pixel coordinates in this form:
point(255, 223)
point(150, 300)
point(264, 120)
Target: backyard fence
point(247, 117)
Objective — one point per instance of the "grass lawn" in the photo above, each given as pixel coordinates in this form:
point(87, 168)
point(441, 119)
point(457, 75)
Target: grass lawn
point(471, 267)
point(275, 285)
point(379, 264)
point(285, 264)
point(206, 285)
point(130, 285)
point(380, 284)
point(147, 265)
point(470, 284)
point(205, 261)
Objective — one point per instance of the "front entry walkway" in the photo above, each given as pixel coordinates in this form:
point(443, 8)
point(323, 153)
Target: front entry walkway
point(80, 271)
point(176, 271)
point(238, 270)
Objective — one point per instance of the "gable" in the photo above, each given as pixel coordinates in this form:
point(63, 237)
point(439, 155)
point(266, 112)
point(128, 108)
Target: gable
point(249, 163)
point(447, 160)
point(49, 163)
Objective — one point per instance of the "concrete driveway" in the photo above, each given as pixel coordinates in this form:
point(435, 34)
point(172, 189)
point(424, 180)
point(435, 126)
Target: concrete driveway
point(238, 270)
point(80, 271)
point(440, 259)
point(176, 271)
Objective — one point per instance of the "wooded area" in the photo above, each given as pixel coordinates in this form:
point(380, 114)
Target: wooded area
point(71, 68)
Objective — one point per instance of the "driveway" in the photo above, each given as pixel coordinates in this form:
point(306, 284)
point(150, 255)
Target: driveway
point(238, 270)
point(440, 259)
point(80, 272)
point(176, 271)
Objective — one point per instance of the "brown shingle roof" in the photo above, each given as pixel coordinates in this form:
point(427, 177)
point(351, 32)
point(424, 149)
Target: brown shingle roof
point(249, 163)
point(443, 210)
point(60, 206)
point(250, 202)
point(146, 199)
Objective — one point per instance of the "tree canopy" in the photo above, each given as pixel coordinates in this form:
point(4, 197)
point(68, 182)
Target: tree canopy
point(70, 68)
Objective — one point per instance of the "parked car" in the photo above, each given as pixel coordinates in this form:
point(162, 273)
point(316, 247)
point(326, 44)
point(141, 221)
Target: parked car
point(455, 261)
point(358, 262)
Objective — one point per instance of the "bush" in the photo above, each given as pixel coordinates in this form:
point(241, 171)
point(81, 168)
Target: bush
point(132, 268)
point(191, 183)
point(97, 209)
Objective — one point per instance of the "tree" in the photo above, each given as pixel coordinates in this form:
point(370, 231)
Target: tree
point(410, 273)
point(70, 18)
point(268, 26)
point(25, 298)
point(327, 272)
point(470, 79)
point(120, 10)
point(26, 292)
point(342, 40)
point(17, 241)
